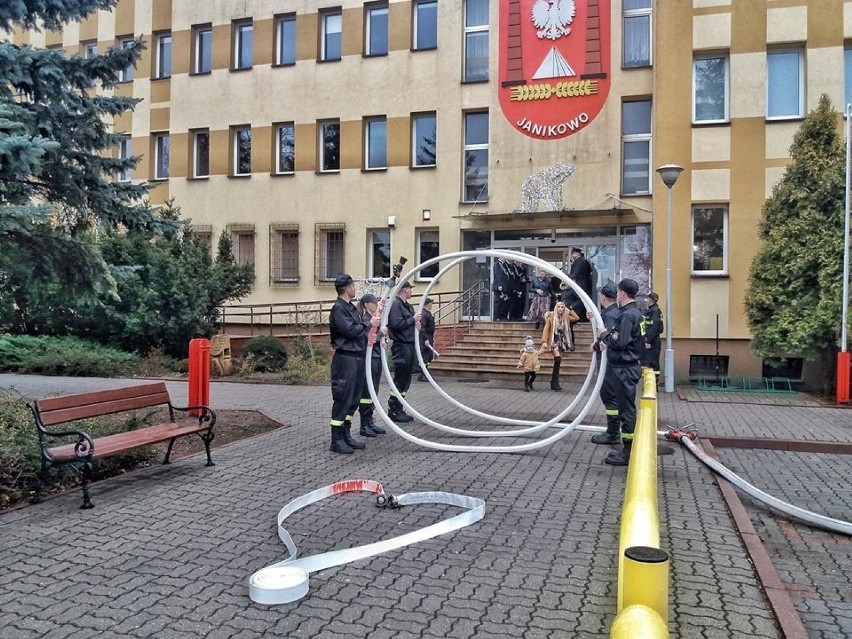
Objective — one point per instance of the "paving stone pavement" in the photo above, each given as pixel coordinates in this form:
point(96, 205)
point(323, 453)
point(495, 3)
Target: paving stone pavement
point(167, 551)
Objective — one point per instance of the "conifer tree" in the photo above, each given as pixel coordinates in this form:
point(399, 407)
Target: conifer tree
point(793, 304)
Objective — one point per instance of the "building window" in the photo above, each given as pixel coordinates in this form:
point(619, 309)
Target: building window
point(90, 50)
point(125, 152)
point(376, 30)
point(475, 40)
point(637, 33)
point(285, 40)
point(331, 35)
point(380, 254)
point(163, 55)
point(636, 147)
point(475, 157)
point(241, 140)
point(202, 49)
point(243, 36)
point(847, 77)
point(284, 253)
point(427, 248)
point(161, 156)
point(375, 143)
point(285, 145)
point(424, 137)
point(242, 238)
point(425, 28)
point(329, 256)
point(204, 234)
point(201, 153)
point(709, 240)
point(126, 74)
point(329, 146)
point(785, 84)
point(710, 89)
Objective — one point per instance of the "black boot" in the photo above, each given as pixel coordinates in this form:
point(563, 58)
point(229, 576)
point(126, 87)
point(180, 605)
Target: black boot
point(554, 376)
point(621, 457)
point(338, 444)
point(526, 382)
point(347, 437)
point(613, 431)
point(367, 427)
point(396, 412)
point(532, 379)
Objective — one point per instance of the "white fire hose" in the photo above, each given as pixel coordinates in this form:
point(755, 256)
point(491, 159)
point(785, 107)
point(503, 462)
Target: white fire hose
point(287, 580)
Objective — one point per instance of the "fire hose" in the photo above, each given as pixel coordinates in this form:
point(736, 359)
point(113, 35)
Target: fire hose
point(287, 580)
point(686, 437)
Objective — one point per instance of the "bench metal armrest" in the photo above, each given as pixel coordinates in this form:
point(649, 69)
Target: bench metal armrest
point(84, 447)
point(207, 413)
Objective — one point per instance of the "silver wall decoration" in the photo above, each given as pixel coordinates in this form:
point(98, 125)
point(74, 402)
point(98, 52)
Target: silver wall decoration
point(545, 186)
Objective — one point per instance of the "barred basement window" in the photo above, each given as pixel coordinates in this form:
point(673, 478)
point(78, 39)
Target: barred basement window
point(284, 254)
point(204, 233)
point(242, 237)
point(329, 253)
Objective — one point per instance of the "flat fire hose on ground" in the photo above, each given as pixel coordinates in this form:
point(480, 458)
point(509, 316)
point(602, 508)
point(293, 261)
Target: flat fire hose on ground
point(287, 580)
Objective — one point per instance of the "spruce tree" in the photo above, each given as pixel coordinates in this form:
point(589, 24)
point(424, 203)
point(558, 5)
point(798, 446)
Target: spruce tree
point(793, 304)
point(58, 168)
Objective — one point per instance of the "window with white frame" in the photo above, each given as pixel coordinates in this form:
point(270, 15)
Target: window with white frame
point(331, 35)
point(329, 145)
point(379, 253)
point(785, 84)
point(241, 142)
point(636, 147)
point(375, 143)
point(90, 50)
point(202, 49)
point(847, 76)
point(243, 44)
point(162, 55)
point(161, 156)
point(242, 240)
point(285, 145)
point(125, 152)
point(201, 153)
point(710, 240)
point(636, 51)
point(126, 74)
point(424, 137)
point(285, 39)
point(424, 31)
point(284, 254)
point(329, 253)
point(475, 40)
point(475, 157)
point(428, 247)
point(710, 86)
point(376, 29)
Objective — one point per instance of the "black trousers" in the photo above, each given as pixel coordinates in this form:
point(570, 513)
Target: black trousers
point(609, 398)
point(652, 355)
point(347, 383)
point(365, 406)
point(627, 378)
point(403, 362)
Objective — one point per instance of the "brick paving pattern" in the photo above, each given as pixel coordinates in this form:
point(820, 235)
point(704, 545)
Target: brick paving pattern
point(167, 551)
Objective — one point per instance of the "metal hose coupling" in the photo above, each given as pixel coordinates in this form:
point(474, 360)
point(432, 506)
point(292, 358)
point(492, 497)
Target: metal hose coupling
point(675, 434)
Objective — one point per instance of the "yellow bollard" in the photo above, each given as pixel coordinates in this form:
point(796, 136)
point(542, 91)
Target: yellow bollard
point(638, 622)
point(646, 579)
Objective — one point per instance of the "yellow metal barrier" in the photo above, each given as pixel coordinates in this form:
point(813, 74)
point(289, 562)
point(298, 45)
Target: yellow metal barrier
point(643, 569)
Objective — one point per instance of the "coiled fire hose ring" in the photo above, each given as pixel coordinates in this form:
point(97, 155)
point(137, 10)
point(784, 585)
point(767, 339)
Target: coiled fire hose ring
point(287, 581)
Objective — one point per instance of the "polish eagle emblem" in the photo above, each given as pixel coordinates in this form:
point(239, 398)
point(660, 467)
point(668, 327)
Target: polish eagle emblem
point(552, 17)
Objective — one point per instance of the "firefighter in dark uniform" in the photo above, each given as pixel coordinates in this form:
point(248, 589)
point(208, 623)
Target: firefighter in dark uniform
point(653, 330)
point(500, 289)
point(625, 345)
point(349, 331)
point(401, 323)
point(609, 388)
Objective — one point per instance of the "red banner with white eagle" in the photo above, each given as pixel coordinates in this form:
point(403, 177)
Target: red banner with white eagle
point(554, 64)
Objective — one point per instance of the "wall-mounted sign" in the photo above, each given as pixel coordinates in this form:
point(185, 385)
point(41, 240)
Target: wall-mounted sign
point(554, 64)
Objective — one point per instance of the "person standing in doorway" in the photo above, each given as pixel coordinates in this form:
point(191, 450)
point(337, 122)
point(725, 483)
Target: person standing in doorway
point(348, 331)
point(427, 336)
point(609, 388)
point(540, 296)
point(653, 330)
point(625, 344)
point(401, 324)
point(367, 308)
point(581, 273)
point(500, 289)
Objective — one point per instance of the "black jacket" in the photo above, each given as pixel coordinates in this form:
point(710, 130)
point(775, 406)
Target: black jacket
point(427, 327)
point(348, 330)
point(653, 324)
point(401, 322)
point(625, 342)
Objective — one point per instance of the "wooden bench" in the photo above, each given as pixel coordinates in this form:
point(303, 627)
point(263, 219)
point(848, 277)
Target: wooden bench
point(54, 411)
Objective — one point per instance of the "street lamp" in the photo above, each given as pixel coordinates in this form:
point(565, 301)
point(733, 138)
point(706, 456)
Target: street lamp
point(669, 173)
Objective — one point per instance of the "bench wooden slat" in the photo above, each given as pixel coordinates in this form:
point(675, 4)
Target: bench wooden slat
point(58, 410)
point(110, 445)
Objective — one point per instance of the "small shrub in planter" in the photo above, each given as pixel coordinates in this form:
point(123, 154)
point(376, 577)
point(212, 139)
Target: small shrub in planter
point(266, 353)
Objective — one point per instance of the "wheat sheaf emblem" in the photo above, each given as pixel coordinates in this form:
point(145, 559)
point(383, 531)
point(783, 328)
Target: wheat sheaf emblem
point(574, 89)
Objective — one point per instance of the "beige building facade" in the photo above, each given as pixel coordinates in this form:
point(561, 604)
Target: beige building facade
point(329, 137)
